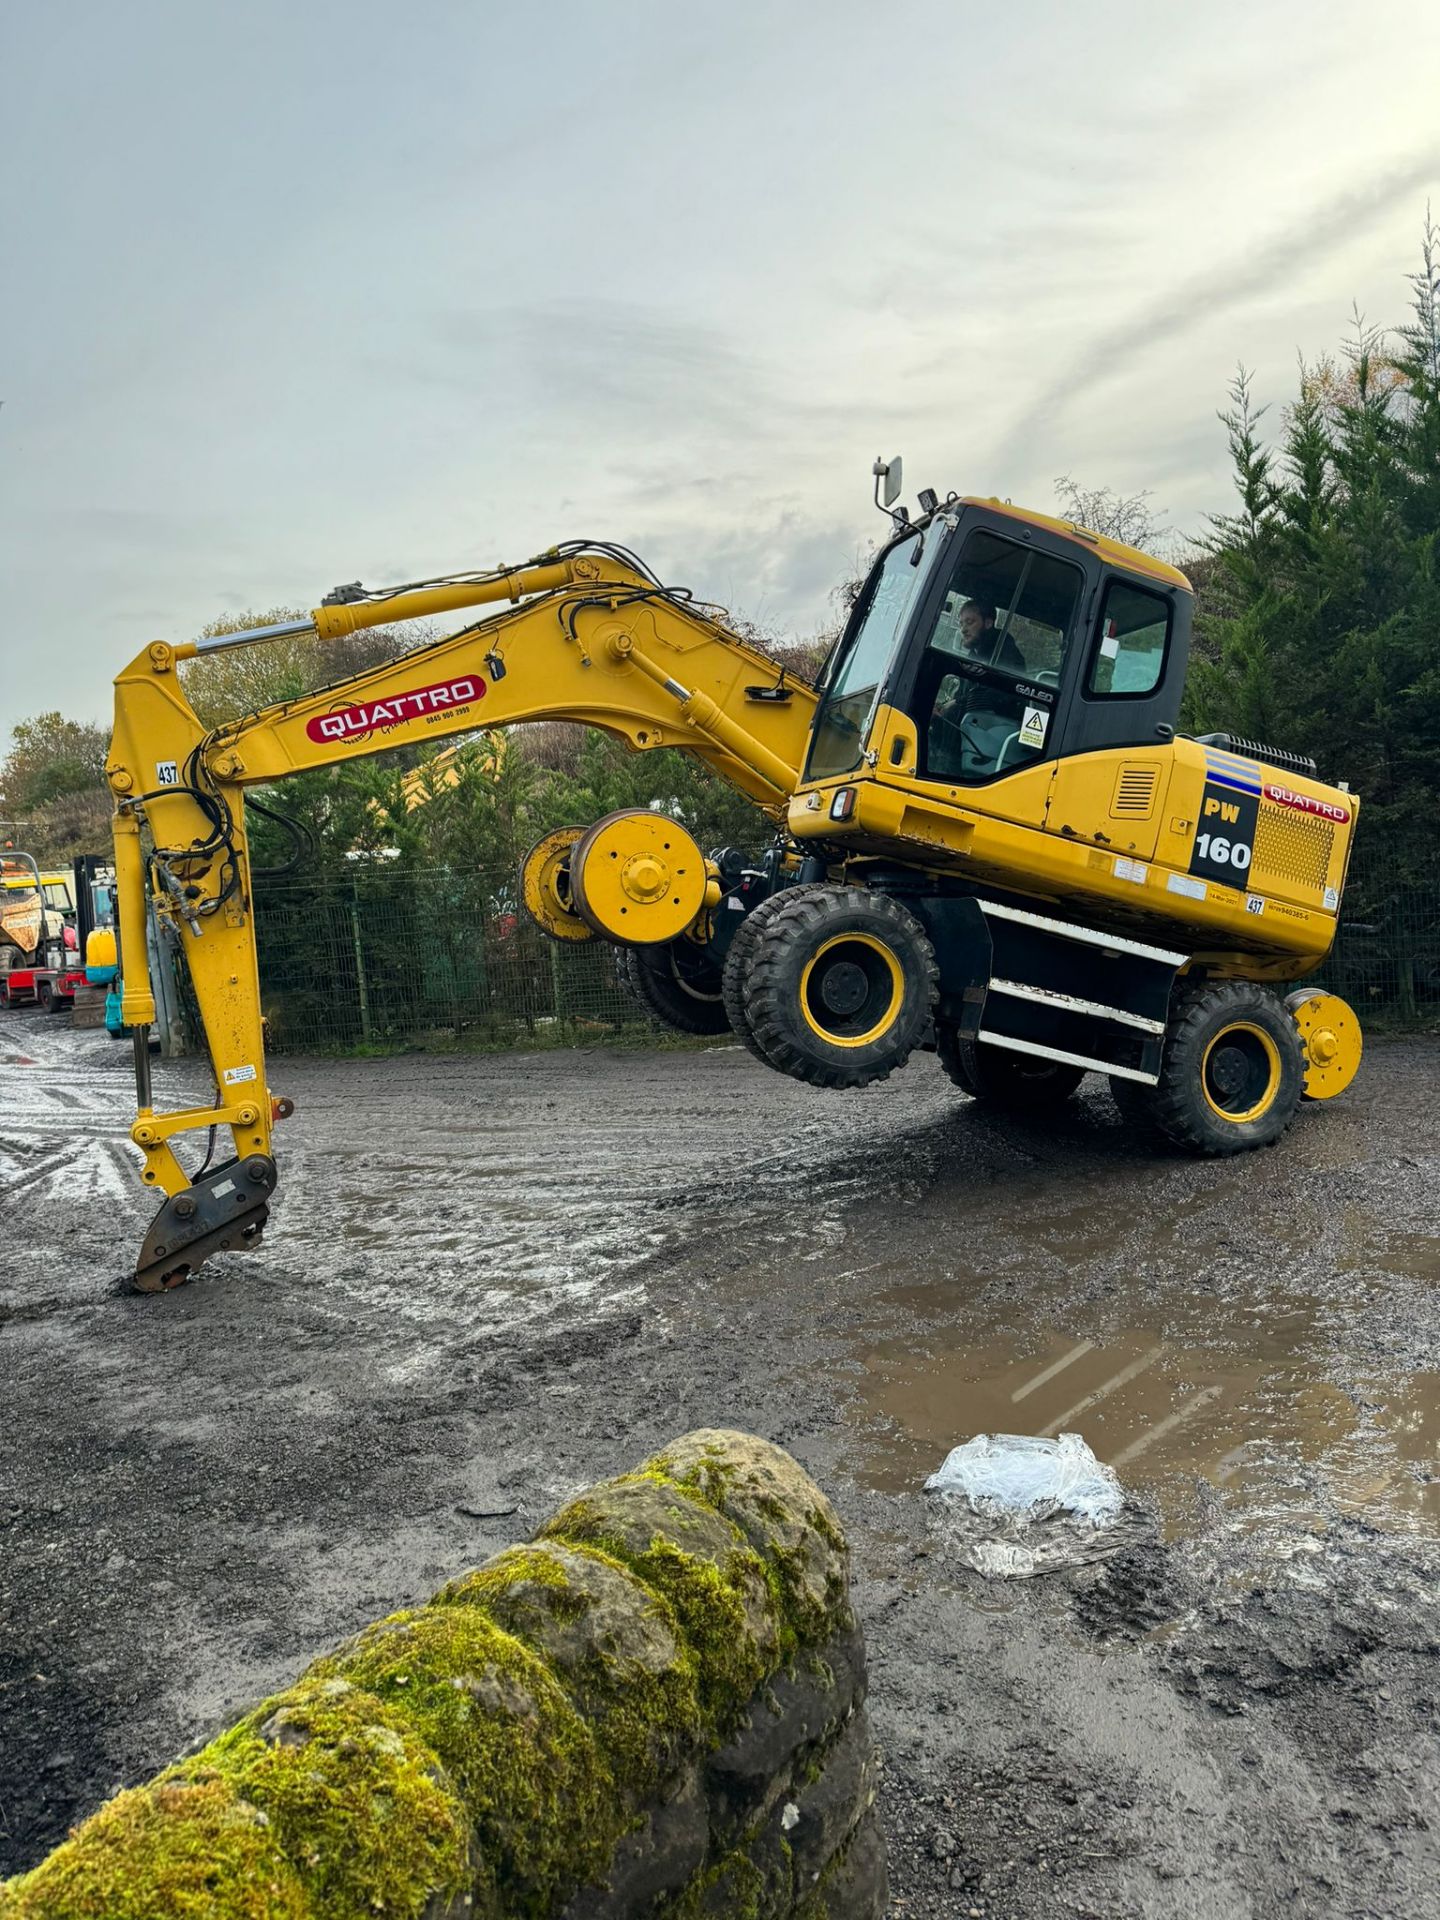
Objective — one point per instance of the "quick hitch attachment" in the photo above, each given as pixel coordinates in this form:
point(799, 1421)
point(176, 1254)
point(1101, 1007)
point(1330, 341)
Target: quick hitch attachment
point(224, 1211)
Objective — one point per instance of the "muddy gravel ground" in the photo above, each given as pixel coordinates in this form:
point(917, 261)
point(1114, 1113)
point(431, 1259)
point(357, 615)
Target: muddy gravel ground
point(490, 1280)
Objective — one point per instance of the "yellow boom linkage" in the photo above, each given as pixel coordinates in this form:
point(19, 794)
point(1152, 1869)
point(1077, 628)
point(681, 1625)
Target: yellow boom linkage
point(588, 638)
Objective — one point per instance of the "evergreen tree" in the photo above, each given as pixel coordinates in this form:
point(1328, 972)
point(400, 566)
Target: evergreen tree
point(1319, 615)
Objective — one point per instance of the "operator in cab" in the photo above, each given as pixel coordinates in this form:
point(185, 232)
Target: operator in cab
point(984, 640)
point(986, 709)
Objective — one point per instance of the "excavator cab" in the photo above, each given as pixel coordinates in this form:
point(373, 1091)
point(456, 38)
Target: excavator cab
point(1004, 641)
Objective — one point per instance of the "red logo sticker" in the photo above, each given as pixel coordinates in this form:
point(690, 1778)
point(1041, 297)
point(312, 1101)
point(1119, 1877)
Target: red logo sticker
point(1302, 803)
point(353, 723)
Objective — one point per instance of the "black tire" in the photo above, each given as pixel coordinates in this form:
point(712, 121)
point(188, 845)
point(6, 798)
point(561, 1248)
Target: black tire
point(840, 985)
point(45, 996)
point(737, 967)
point(10, 957)
point(1135, 1102)
point(678, 984)
point(1232, 1072)
point(1019, 1081)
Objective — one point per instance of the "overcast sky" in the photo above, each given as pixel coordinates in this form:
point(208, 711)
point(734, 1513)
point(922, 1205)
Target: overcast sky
point(298, 292)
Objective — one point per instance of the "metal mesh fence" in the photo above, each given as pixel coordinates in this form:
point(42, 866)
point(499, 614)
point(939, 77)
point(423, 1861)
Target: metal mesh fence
point(1386, 957)
point(440, 958)
point(426, 958)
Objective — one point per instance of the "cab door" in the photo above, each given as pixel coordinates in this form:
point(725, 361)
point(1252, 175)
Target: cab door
point(1122, 702)
point(986, 663)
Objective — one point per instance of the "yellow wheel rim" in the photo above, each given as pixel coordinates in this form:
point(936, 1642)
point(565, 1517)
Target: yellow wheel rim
point(638, 878)
point(1240, 1074)
point(852, 990)
point(545, 886)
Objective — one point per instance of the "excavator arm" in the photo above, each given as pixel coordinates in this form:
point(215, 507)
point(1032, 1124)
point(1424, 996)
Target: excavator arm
point(587, 635)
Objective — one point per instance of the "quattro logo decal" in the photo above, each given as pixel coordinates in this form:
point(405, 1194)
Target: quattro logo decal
point(1302, 803)
point(353, 723)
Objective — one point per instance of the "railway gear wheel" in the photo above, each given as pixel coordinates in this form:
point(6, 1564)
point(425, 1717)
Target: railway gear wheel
point(638, 878)
point(737, 967)
point(1329, 1039)
point(840, 985)
point(545, 885)
point(677, 984)
point(1015, 1080)
point(1232, 1073)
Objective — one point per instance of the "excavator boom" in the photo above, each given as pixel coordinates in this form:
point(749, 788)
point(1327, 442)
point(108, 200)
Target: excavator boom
point(587, 636)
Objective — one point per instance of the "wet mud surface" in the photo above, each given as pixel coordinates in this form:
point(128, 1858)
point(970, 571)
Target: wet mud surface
point(488, 1281)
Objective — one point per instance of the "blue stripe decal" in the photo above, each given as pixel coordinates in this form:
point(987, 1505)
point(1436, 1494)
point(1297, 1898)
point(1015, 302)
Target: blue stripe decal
point(1227, 770)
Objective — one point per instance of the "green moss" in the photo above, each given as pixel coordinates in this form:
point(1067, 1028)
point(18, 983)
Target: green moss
point(717, 1591)
point(733, 1887)
point(784, 1517)
point(181, 1851)
point(737, 1886)
point(360, 1806)
point(539, 1794)
point(511, 1571)
point(614, 1644)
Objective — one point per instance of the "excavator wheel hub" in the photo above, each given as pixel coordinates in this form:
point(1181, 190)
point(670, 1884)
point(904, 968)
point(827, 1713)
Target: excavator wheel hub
point(645, 878)
point(637, 878)
point(1329, 1038)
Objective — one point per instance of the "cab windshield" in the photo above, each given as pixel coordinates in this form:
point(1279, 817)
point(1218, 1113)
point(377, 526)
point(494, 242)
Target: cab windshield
point(859, 663)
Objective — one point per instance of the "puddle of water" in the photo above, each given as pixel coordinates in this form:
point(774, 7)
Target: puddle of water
point(1251, 1417)
point(1414, 1256)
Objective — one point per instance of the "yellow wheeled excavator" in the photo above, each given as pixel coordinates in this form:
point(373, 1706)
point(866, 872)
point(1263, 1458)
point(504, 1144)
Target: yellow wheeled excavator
point(990, 838)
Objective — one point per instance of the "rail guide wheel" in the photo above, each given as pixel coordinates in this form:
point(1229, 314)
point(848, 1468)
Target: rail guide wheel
point(545, 885)
point(1330, 1039)
point(637, 878)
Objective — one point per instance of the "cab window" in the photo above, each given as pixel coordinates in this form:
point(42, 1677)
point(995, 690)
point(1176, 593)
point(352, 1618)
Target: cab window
point(856, 670)
point(988, 681)
point(1129, 656)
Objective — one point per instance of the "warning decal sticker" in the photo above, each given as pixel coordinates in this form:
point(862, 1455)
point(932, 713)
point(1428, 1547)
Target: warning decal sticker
point(1032, 727)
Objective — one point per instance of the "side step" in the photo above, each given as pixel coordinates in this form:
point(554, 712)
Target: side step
point(1034, 985)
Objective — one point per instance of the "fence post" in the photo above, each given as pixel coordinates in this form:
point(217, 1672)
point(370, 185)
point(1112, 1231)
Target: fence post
point(1409, 1011)
point(557, 984)
point(360, 963)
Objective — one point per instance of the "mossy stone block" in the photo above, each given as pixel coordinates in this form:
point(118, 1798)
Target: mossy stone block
point(856, 1884)
point(360, 1805)
point(701, 1564)
point(538, 1792)
point(783, 1515)
point(612, 1641)
point(187, 1850)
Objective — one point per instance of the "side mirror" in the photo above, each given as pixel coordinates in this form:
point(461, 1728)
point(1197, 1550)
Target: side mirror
point(889, 475)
